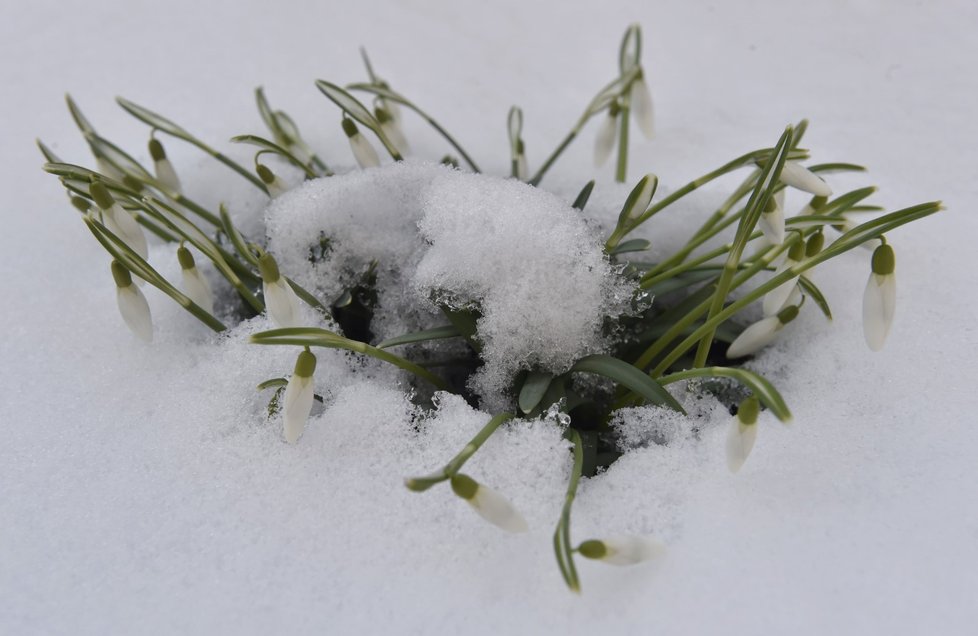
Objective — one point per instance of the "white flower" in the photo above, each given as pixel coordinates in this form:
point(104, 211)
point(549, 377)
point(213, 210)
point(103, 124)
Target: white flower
point(742, 433)
point(490, 505)
point(280, 300)
point(165, 173)
point(800, 177)
point(365, 154)
point(299, 394)
point(273, 184)
point(391, 128)
point(604, 142)
point(118, 221)
point(195, 286)
point(776, 299)
point(641, 100)
point(132, 303)
point(879, 299)
point(622, 550)
point(761, 333)
point(771, 221)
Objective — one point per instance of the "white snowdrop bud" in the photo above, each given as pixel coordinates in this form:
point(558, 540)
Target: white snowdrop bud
point(771, 222)
point(390, 105)
point(195, 286)
point(273, 184)
point(641, 100)
point(798, 176)
point(879, 299)
point(775, 299)
point(132, 303)
point(299, 394)
point(742, 433)
point(604, 142)
point(490, 505)
point(761, 333)
point(638, 199)
point(280, 300)
point(165, 173)
point(392, 129)
point(365, 154)
point(621, 550)
point(118, 221)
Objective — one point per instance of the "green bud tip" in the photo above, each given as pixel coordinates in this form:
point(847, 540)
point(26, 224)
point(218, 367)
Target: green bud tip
point(268, 268)
point(593, 549)
point(748, 410)
point(156, 149)
point(815, 243)
point(382, 115)
point(305, 365)
point(83, 205)
point(797, 251)
point(884, 260)
point(788, 314)
point(464, 486)
point(121, 275)
point(265, 174)
point(132, 183)
point(818, 202)
point(614, 109)
point(771, 205)
point(349, 127)
point(520, 148)
point(185, 257)
point(101, 195)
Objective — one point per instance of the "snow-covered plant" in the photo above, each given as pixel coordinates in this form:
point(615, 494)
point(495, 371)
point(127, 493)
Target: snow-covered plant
point(588, 324)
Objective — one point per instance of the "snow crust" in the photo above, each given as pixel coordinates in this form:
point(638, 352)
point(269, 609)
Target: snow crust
point(143, 489)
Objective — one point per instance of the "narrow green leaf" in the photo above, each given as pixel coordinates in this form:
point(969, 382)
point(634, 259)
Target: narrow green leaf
point(583, 196)
point(436, 333)
point(534, 387)
point(352, 107)
point(240, 245)
point(632, 245)
point(813, 292)
point(629, 377)
point(758, 384)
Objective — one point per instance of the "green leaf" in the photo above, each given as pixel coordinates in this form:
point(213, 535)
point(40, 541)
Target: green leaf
point(583, 196)
point(534, 387)
point(274, 382)
point(240, 245)
point(437, 333)
point(758, 384)
point(632, 245)
point(49, 155)
point(629, 377)
point(815, 294)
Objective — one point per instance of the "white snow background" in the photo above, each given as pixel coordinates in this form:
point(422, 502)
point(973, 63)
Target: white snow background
point(141, 491)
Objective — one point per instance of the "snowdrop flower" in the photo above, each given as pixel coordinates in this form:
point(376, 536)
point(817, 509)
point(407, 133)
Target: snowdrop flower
point(194, 284)
point(118, 221)
point(771, 222)
point(390, 105)
point(761, 333)
point(622, 550)
point(742, 433)
point(604, 142)
point(132, 303)
point(165, 173)
point(299, 394)
point(490, 505)
point(775, 299)
point(392, 129)
point(273, 184)
point(798, 176)
point(365, 154)
point(641, 99)
point(879, 299)
point(280, 300)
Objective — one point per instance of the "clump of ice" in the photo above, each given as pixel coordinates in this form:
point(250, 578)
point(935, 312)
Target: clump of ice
point(523, 258)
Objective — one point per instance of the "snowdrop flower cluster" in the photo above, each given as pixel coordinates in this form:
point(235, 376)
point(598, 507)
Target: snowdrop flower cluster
point(408, 262)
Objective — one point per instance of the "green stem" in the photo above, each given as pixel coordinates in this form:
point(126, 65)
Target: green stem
point(562, 543)
point(420, 484)
point(621, 169)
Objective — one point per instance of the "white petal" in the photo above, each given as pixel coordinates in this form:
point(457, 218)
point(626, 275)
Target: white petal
point(365, 154)
point(166, 175)
point(755, 337)
point(196, 287)
point(282, 304)
point(775, 299)
point(630, 549)
point(495, 509)
point(772, 224)
point(604, 143)
point(798, 176)
point(396, 136)
point(135, 311)
point(123, 225)
point(740, 441)
point(298, 403)
point(276, 187)
point(642, 107)
point(879, 305)
point(522, 170)
point(394, 110)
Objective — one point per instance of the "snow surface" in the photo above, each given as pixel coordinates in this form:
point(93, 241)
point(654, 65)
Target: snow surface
point(142, 491)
